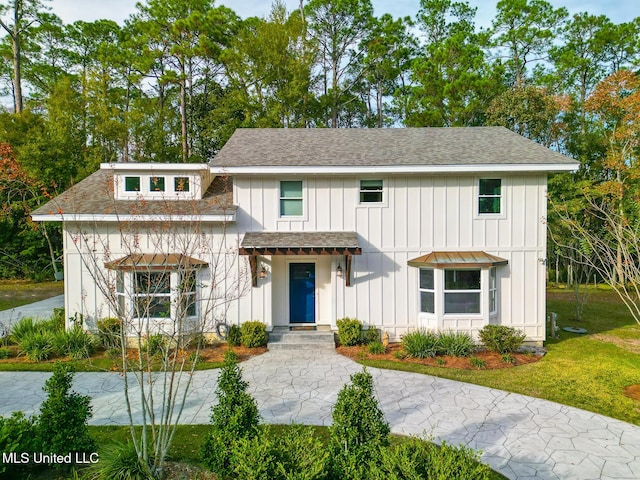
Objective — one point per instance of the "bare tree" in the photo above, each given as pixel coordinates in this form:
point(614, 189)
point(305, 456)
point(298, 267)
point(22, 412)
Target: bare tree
point(606, 241)
point(167, 278)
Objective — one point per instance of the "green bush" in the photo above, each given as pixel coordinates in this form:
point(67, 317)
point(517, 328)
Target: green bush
point(57, 319)
point(298, 455)
point(358, 430)
point(154, 344)
point(234, 417)
point(110, 333)
point(371, 335)
point(74, 343)
point(37, 345)
point(376, 348)
point(417, 458)
point(349, 331)
point(456, 344)
point(22, 328)
point(17, 434)
point(253, 334)
point(234, 338)
point(478, 363)
point(119, 461)
point(62, 424)
point(501, 339)
point(421, 344)
point(5, 353)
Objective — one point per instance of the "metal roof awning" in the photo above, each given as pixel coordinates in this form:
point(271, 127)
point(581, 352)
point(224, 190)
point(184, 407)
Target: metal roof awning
point(154, 261)
point(300, 243)
point(457, 260)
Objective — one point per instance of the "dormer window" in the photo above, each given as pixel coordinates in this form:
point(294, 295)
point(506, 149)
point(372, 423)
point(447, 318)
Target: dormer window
point(181, 184)
point(156, 184)
point(132, 184)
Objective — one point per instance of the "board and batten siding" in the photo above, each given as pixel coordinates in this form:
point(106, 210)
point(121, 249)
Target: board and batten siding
point(419, 214)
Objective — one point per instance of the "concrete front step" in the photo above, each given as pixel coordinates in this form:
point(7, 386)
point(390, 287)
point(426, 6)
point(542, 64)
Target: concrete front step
point(281, 339)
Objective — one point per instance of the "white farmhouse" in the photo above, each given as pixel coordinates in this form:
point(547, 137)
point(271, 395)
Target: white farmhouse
point(441, 228)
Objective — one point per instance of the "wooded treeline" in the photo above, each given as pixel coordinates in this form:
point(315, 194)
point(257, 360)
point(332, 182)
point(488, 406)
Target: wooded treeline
point(175, 81)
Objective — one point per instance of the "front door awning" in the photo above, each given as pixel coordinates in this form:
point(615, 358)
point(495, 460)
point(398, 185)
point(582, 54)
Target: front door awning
point(300, 243)
point(457, 260)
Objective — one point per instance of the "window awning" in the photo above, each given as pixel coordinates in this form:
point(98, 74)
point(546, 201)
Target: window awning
point(300, 243)
point(457, 260)
point(154, 261)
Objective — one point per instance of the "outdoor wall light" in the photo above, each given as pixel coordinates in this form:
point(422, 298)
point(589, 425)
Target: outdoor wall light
point(263, 272)
point(339, 271)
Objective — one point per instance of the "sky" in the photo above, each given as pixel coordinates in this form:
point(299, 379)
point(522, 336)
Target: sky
point(69, 11)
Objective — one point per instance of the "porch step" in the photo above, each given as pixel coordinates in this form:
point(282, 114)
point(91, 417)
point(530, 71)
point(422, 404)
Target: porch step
point(284, 339)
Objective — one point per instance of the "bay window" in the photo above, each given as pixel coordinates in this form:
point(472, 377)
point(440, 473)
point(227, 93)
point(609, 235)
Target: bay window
point(462, 291)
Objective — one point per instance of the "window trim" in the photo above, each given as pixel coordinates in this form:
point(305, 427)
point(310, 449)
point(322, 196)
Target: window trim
point(493, 288)
point(478, 197)
point(301, 199)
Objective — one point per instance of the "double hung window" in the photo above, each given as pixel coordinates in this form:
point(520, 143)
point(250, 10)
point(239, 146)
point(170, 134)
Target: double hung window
point(462, 291)
point(489, 196)
point(291, 198)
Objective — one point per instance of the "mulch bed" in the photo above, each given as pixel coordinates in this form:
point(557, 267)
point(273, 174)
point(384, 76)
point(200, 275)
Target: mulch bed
point(633, 391)
point(492, 360)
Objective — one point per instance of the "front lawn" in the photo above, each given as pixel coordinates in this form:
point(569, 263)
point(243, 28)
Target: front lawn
point(586, 371)
point(14, 293)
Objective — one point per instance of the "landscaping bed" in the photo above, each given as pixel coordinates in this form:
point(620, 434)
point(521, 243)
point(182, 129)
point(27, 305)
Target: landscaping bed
point(491, 360)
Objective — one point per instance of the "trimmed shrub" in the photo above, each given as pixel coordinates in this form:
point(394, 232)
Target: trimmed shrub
point(420, 343)
point(119, 461)
point(17, 434)
point(110, 333)
point(358, 430)
point(75, 343)
point(501, 339)
point(371, 335)
point(62, 424)
point(234, 339)
point(234, 417)
point(418, 458)
point(298, 455)
point(349, 331)
point(253, 334)
point(456, 344)
point(376, 348)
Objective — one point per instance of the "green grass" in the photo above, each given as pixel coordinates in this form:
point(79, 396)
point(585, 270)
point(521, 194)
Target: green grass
point(585, 371)
point(14, 293)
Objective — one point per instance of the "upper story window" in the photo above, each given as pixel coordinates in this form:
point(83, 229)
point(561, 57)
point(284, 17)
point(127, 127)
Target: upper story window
point(291, 198)
point(132, 184)
point(156, 184)
point(462, 291)
point(181, 184)
point(490, 196)
point(371, 191)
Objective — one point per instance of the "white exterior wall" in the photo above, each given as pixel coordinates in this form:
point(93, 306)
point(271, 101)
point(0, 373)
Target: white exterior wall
point(83, 295)
point(419, 214)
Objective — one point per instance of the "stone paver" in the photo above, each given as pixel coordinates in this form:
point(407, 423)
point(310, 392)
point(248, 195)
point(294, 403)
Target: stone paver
point(520, 437)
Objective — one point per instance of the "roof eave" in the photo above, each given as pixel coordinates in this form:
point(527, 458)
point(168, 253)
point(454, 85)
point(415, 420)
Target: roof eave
point(392, 169)
point(89, 217)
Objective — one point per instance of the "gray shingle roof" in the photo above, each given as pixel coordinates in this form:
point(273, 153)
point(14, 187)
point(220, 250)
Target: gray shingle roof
point(94, 196)
point(383, 147)
point(300, 240)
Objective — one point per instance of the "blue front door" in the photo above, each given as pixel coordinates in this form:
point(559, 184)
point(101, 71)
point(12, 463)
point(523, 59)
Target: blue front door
point(302, 288)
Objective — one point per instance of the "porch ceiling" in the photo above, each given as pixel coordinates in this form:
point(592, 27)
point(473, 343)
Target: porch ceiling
point(300, 243)
point(457, 260)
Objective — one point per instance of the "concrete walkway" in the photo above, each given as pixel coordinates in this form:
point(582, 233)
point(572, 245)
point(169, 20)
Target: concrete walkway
point(521, 437)
point(42, 309)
